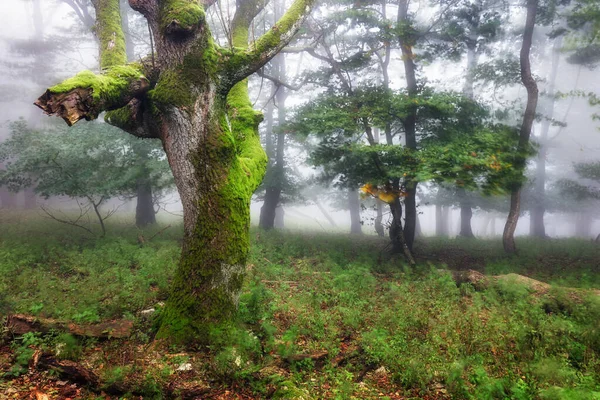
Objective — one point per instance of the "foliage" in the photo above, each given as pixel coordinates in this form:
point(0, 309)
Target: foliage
point(92, 162)
point(314, 293)
point(457, 145)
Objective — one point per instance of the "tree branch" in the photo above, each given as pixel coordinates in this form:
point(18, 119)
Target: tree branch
point(244, 63)
point(278, 82)
point(86, 95)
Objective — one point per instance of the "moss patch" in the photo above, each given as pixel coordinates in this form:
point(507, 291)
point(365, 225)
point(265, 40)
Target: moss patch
point(110, 34)
point(109, 87)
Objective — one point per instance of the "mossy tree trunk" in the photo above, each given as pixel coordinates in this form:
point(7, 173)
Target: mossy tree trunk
point(193, 96)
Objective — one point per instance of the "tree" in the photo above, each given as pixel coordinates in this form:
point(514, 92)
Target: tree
point(508, 237)
point(193, 96)
point(91, 163)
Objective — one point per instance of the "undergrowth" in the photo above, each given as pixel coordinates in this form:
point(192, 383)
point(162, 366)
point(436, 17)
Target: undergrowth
point(325, 316)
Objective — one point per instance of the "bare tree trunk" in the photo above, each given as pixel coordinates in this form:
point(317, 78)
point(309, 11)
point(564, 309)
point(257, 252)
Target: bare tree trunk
point(379, 218)
point(466, 211)
point(354, 207)
point(439, 223)
point(144, 210)
point(466, 214)
point(508, 237)
point(407, 40)
point(275, 171)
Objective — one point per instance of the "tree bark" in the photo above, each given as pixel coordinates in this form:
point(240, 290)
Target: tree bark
point(508, 236)
point(354, 207)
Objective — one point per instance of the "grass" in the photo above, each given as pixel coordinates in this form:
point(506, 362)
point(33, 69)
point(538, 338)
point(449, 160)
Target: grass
point(321, 316)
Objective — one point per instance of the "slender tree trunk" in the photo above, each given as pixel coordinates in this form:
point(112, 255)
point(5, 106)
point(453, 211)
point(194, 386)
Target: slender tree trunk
point(508, 237)
point(354, 207)
point(466, 211)
point(267, 211)
point(275, 171)
point(397, 232)
point(379, 218)
point(466, 214)
point(537, 227)
point(407, 40)
point(439, 222)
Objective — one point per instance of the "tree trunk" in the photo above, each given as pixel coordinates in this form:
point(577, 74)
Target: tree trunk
point(379, 218)
point(354, 207)
point(397, 232)
point(144, 210)
point(439, 222)
point(275, 171)
point(407, 39)
point(466, 213)
point(508, 236)
point(537, 227)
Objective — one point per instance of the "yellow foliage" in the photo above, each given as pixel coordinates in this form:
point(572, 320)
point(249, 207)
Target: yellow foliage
point(384, 194)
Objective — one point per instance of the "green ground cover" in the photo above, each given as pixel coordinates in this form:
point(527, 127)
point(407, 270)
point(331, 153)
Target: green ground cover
point(321, 316)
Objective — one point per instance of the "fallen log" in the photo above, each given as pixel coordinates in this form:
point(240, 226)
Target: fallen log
point(69, 370)
point(19, 324)
point(481, 282)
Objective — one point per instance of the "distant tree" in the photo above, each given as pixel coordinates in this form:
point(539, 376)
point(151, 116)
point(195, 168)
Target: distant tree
point(582, 195)
point(91, 163)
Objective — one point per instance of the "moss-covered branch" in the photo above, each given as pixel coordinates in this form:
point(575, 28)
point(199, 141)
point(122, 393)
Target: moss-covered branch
point(86, 95)
point(110, 34)
point(244, 63)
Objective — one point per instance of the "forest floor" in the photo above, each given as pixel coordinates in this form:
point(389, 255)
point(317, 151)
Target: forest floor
point(321, 317)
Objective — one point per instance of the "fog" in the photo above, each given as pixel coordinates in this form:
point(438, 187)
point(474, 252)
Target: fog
point(44, 42)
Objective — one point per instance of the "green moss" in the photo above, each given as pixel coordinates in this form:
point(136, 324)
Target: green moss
point(110, 34)
point(272, 38)
point(177, 86)
point(187, 14)
point(108, 87)
point(120, 118)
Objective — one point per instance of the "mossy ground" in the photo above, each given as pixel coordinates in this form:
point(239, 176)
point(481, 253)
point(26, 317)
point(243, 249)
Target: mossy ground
point(321, 317)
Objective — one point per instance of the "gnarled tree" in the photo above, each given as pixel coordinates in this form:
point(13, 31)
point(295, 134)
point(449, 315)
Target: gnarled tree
point(191, 94)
